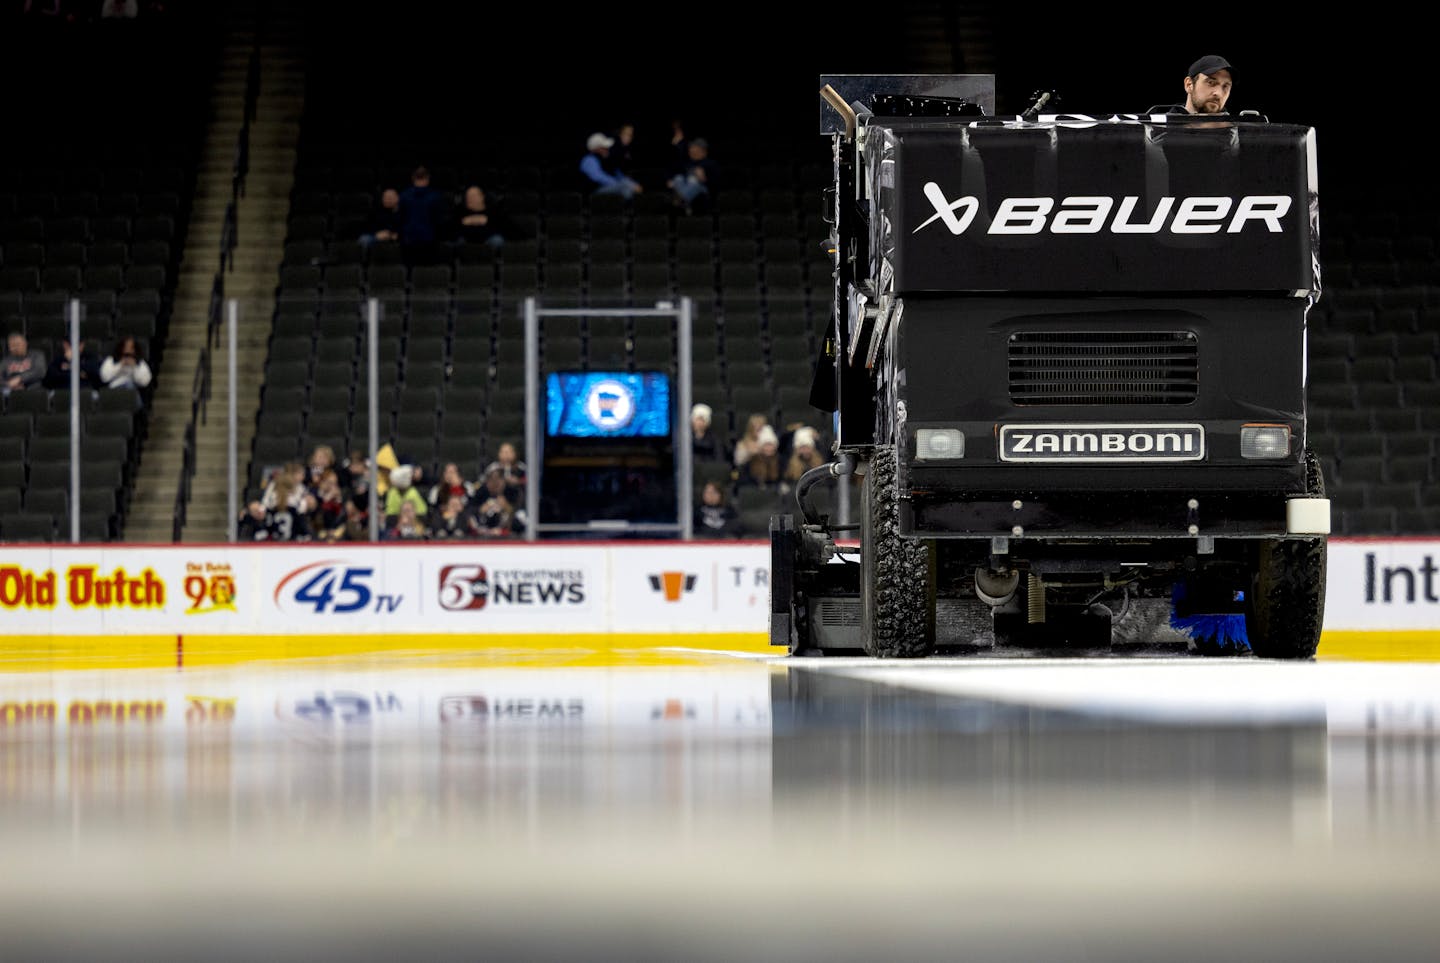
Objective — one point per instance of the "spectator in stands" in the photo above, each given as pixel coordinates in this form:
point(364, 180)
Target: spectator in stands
point(402, 492)
point(322, 462)
point(451, 484)
point(255, 524)
point(597, 178)
point(357, 523)
point(355, 478)
point(715, 517)
point(621, 158)
point(763, 467)
point(704, 444)
point(57, 376)
point(804, 453)
point(126, 367)
point(495, 516)
point(22, 367)
point(451, 522)
point(693, 185)
point(423, 210)
point(478, 221)
point(407, 525)
point(384, 223)
point(678, 142)
point(289, 505)
point(749, 442)
point(507, 462)
point(330, 517)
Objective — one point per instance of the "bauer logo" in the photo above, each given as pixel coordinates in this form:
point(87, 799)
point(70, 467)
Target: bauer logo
point(1122, 215)
point(472, 588)
point(673, 584)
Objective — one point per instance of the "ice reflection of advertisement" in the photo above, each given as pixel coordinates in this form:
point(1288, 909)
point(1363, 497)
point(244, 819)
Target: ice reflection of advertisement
point(490, 708)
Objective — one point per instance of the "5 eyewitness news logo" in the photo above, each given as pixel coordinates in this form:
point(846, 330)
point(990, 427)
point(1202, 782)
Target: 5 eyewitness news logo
point(474, 587)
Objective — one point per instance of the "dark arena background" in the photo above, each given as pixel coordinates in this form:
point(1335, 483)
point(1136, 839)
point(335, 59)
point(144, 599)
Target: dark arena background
point(261, 701)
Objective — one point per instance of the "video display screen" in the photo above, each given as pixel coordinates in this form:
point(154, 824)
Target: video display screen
point(607, 404)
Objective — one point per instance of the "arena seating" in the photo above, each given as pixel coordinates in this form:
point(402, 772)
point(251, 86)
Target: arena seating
point(104, 216)
point(93, 207)
point(452, 333)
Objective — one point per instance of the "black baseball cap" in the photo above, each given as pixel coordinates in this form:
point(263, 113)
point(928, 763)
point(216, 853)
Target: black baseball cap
point(1209, 65)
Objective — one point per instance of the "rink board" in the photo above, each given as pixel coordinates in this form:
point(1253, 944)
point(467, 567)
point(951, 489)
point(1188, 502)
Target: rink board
point(206, 605)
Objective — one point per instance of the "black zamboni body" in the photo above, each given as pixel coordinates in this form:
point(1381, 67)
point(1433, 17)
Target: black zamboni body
point(1067, 359)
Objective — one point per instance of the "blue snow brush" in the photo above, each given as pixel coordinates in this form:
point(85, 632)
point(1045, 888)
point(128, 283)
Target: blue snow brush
point(1212, 631)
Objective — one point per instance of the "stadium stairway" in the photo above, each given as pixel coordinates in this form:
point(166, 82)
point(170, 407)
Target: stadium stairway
point(261, 213)
point(948, 38)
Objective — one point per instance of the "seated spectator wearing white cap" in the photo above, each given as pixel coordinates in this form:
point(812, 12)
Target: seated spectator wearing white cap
point(402, 492)
point(598, 179)
point(705, 445)
point(804, 454)
point(749, 442)
point(763, 467)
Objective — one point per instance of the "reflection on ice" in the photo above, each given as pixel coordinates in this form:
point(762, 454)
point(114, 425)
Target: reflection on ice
point(673, 800)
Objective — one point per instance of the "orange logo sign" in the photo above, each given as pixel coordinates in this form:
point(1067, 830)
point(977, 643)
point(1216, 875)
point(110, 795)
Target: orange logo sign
point(673, 584)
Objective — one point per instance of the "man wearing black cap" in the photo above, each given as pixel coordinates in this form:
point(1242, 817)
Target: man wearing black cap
point(1207, 88)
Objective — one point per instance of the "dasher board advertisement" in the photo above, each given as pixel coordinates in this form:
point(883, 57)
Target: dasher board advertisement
point(479, 588)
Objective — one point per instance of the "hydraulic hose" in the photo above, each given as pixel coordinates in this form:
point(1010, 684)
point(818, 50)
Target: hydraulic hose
point(843, 465)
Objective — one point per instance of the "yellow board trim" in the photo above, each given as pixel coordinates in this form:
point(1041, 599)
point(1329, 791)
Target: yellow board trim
point(1414, 645)
point(49, 653)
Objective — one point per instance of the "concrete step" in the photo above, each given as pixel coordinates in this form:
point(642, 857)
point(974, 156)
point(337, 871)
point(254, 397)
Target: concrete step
point(206, 229)
point(150, 518)
point(229, 92)
point(271, 183)
point(257, 207)
point(223, 168)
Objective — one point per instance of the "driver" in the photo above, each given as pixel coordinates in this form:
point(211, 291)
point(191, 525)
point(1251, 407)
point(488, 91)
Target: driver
point(1207, 88)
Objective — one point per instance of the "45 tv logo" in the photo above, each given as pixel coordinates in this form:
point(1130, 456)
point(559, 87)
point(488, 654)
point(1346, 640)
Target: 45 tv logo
point(332, 587)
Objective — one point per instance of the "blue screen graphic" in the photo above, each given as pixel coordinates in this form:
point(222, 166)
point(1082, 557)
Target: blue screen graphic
point(607, 404)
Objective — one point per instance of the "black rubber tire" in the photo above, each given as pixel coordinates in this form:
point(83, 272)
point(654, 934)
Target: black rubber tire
point(1286, 609)
point(896, 618)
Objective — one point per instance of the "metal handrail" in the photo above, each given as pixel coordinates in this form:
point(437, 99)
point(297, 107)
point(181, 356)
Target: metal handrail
point(229, 231)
